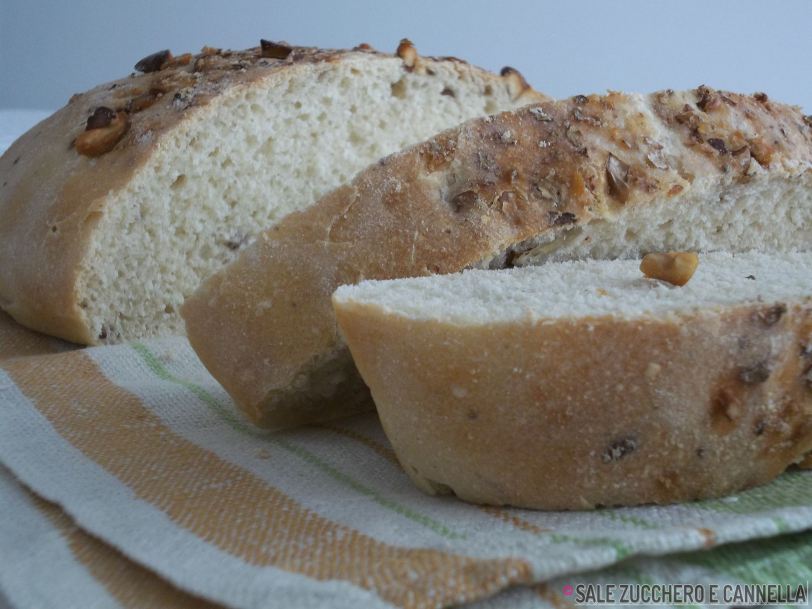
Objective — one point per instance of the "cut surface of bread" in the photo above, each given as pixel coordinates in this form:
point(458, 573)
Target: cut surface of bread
point(578, 384)
point(586, 288)
point(101, 240)
point(609, 176)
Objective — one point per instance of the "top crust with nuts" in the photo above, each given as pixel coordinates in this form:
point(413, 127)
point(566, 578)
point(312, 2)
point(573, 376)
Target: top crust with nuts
point(478, 195)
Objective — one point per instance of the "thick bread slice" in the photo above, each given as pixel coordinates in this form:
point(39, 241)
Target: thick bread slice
point(600, 176)
point(203, 153)
point(579, 384)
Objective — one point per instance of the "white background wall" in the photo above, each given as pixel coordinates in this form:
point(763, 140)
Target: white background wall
point(51, 49)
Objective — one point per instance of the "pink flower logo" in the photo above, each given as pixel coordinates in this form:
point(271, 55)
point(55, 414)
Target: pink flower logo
point(567, 590)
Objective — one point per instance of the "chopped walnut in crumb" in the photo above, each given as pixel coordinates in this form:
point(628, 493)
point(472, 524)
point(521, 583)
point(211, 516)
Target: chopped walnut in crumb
point(274, 50)
point(617, 175)
point(143, 101)
point(154, 62)
point(180, 60)
point(772, 315)
point(676, 268)
point(101, 117)
point(407, 53)
point(516, 83)
point(103, 131)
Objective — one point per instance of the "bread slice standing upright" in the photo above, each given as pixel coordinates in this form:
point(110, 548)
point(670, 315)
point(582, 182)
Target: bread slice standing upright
point(583, 383)
point(599, 176)
point(115, 208)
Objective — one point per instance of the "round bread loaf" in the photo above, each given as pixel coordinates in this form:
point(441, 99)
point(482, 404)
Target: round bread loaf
point(117, 206)
point(580, 384)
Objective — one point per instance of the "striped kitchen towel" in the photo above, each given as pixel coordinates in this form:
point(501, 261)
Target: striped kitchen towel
point(41, 544)
point(166, 495)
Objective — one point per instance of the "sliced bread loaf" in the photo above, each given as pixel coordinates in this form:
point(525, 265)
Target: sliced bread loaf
point(116, 207)
point(579, 384)
point(599, 176)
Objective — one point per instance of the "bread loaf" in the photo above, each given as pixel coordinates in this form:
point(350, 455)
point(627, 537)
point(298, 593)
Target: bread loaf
point(117, 206)
point(579, 384)
point(607, 176)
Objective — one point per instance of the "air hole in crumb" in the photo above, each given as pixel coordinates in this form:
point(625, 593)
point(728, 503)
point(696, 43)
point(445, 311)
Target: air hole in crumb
point(619, 449)
point(449, 92)
point(399, 89)
point(488, 91)
point(490, 107)
point(54, 229)
point(179, 182)
point(169, 309)
point(267, 147)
